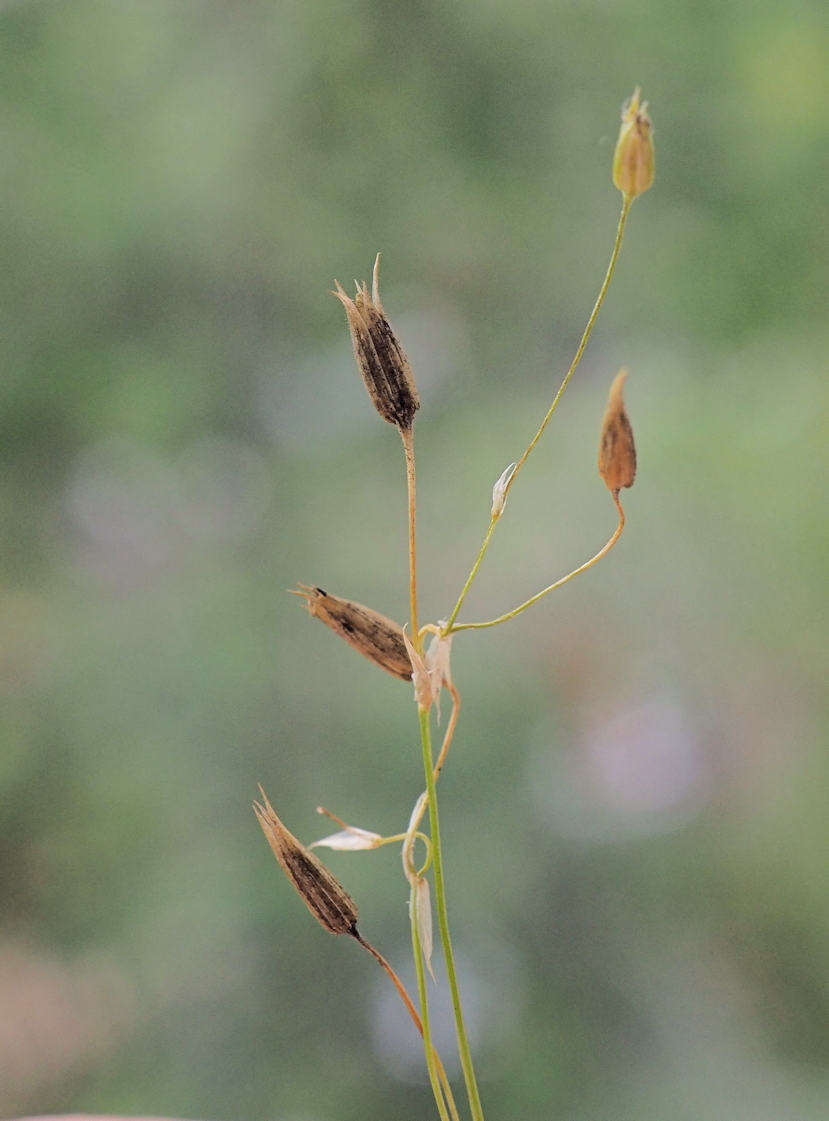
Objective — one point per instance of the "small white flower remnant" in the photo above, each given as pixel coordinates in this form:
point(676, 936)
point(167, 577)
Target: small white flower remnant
point(421, 677)
point(421, 901)
point(349, 839)
point(499, 491)
point(437, 664)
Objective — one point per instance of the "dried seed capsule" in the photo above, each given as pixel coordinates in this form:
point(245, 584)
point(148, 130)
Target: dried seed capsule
point(633, 158)
point(377, 638)
point(325, 897)
point(617, 452)
point(380, 358)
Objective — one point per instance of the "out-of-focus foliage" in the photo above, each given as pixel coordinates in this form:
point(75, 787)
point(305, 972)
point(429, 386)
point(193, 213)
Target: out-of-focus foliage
point(635, 807)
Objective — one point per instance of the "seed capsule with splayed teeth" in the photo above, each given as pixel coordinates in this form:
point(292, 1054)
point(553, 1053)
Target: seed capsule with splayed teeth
point(380, 358)
point(324, 896)
point(377, 638)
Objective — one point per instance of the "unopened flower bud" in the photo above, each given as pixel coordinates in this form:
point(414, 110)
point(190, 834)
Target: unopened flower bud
point(499, 491)
point(617, 452)
point(324, 896)
point(633, 158)
point(377, 638)
point(380, 358)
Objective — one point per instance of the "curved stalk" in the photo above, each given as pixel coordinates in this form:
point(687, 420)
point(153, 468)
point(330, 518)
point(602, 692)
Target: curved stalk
point(473, 572)
point(627, 202)
point(418, 1023)
point(605, 549)
point(450, 727)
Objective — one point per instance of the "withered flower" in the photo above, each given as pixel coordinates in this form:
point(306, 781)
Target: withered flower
point(633, 158)
point(617, 452)
point(380, 358)
point(377, 638)
point(324, 896)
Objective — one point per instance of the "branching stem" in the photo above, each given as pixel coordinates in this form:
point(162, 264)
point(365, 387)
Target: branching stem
point(605, 549)
point(418, 1023)
point(588, 330)
point(426, 1030)
point(464, 1052)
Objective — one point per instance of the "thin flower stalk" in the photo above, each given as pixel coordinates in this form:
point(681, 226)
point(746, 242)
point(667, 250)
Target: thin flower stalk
point(419, 1024)
point(407, 436)
point(605, 549)
point(617, 469)
point(627, 202)
point(450, 728)
point(464, 1052)
point(473, 572)
point(420, 970)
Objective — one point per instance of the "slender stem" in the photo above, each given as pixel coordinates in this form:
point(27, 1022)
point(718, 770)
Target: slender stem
point(404, 837)
point(627, 202)
point(588, 330)
point(407, 435)
point(450, 728)
point(424, 1006)
point(472, 574)
point(464, 1053)
point(605, 549)
point(418, 1023)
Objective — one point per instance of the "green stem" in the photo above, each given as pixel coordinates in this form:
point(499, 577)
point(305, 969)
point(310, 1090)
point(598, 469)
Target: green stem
point(588, 330)
point(473, 573)
point(627, 202)
point(424, 1008)
point(464, 1053)
point(418, 1023)
point(605, 549)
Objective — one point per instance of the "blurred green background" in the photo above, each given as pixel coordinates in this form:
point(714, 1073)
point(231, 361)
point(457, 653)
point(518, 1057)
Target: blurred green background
point(635, 810)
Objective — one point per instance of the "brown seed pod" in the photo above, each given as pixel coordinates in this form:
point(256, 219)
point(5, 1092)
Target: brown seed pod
point(324, 896)
point(617, 452)
point(382, 362)
point(377, 638)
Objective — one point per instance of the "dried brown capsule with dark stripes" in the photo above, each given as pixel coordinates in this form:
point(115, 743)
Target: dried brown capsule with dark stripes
point(617, 451)
point(324, 896)
point(377, 638)
point(380, 358)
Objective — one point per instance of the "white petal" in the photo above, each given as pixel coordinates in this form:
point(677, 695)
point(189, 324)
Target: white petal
point(351, 839)
point(417, 814)
point(437, 665)
point(423, 908)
